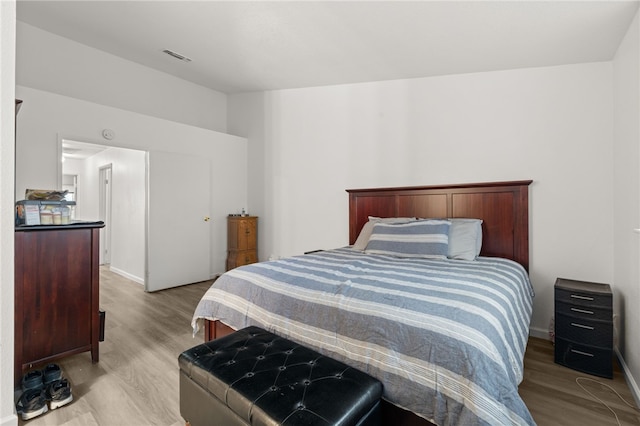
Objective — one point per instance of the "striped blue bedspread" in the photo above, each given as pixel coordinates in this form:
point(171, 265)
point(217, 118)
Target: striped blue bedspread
point(445, 337)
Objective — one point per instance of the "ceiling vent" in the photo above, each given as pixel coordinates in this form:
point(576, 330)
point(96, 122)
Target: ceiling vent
point(177, 55)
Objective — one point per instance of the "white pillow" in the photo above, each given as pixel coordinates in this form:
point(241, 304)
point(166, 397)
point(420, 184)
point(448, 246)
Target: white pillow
point(465, 239)
point(365, 233)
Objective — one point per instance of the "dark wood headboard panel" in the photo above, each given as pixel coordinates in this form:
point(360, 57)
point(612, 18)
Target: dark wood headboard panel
point(503, 207)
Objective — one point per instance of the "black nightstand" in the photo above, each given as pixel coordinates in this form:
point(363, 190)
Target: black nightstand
point(584, 326)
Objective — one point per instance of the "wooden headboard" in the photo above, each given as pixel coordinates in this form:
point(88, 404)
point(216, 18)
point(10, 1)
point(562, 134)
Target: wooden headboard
point(503, 207)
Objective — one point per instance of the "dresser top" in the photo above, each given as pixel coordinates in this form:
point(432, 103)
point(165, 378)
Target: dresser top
point(576, 285)
point(76, 224)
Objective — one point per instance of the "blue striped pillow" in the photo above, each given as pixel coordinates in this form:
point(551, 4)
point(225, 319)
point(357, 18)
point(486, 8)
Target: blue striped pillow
point(421, 238)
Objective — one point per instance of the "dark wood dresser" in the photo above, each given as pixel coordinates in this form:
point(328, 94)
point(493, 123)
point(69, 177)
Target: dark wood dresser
point(584, 326)
point(56, 293)
point(242, 241)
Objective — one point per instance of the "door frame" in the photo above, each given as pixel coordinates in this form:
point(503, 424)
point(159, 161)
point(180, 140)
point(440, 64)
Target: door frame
point(105, 174)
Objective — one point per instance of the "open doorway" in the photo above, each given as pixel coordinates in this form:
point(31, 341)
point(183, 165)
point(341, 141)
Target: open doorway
point(73, 158)
point(109, 184)
point(148, 236)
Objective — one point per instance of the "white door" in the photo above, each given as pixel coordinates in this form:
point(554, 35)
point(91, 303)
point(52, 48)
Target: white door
point(178, 231)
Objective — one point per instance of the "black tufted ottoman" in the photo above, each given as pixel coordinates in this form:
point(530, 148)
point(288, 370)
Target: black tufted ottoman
point(253, 377)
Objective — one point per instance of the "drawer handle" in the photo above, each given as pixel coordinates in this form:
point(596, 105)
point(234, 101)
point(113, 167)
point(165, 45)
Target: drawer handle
point(577, 296)
point(582, 353)
point(582, 311)
point(588, 327)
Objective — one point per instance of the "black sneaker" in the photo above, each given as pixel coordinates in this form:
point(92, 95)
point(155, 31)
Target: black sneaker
point(32, 380)
point(59, 393)
point(51, 373)
point(31, 404)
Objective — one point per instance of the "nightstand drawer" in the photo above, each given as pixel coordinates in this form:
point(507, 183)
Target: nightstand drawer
point(582, 298)
point(596, 361)
point(584, 312)
point(594, 333)
point(582, 293)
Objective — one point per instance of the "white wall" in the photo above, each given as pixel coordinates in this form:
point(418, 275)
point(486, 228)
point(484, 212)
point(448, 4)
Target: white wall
point(56, 64)
point(552, 125)
point(247, 117)
point(7, 112)
point(75, 91)
point(46, 117)
point(626, 66)
point(128, 193)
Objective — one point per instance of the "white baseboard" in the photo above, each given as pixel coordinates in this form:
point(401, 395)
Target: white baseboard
point(127, 275)
point(539, 332)
point(10, 420)
point(633, 385)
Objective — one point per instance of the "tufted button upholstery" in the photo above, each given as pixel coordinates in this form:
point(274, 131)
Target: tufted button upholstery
point(263, 379)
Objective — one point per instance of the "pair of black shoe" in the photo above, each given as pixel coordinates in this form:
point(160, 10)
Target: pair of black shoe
point(40, 387)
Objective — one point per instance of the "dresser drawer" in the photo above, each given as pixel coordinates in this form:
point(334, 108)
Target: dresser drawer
point(237, 258)
point(594, 333)
point(584, 312)
point(596, 361)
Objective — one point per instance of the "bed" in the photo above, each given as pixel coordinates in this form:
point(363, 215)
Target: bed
point(445, 333)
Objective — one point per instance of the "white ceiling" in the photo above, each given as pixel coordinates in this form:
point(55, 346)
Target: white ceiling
point(75, 150)
point(240, 46)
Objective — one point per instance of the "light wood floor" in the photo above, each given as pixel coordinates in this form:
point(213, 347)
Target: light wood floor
point(136, 380)
point(555, 398)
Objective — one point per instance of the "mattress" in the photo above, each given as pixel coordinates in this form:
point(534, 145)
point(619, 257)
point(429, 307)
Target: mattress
point(445, 337)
